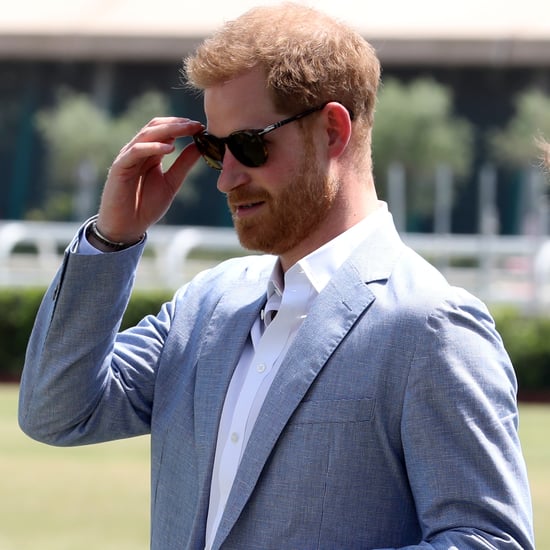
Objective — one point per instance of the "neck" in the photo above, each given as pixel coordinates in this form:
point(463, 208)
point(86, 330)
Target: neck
point(340, 218)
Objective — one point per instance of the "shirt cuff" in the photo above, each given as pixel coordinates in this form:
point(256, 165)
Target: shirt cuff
point(85, 247)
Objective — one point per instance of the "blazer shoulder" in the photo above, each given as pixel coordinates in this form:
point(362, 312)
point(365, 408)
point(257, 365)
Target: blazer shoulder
point(247, 274)
point(415, 289)
point(246, 269)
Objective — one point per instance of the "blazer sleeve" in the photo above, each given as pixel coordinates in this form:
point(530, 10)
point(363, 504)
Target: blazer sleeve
point(79, 385)
point(459, 430)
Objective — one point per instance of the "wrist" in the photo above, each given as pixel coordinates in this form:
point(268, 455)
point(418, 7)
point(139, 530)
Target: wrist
point(97, 239)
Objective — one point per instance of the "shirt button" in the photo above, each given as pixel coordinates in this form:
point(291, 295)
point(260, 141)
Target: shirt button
point(261, 368)
point(234, 437)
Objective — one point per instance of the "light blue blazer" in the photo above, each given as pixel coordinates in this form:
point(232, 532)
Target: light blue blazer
point(392, 422)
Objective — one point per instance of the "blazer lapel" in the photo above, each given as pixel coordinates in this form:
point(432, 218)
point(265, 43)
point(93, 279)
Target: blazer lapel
point(336, 310)
point(224, 340)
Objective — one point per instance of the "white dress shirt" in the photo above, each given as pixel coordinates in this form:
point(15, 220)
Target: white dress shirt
point(290, 297)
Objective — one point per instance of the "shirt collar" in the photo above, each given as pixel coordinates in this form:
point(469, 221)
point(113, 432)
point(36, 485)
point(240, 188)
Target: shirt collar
point(276, 283)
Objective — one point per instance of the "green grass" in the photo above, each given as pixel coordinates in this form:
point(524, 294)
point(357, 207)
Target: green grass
point(98, 497)
point(68, 499)
point(534, 431)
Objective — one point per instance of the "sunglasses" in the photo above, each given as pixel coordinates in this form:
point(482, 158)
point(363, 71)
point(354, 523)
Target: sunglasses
point(247, 146)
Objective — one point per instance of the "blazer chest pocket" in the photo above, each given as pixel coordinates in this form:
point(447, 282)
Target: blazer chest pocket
point(334, 411)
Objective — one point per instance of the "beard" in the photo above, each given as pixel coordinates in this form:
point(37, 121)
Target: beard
point(290, 216)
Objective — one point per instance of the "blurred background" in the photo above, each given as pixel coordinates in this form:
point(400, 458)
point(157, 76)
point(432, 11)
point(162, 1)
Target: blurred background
point(465, 95)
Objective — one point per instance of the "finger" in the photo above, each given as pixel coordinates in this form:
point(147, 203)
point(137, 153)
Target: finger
point(169, 120)
point(139, 152)
point(182, 165)
point(166, 129)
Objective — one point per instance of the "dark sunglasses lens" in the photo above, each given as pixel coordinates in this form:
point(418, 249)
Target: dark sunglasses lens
point(248, 148)
point(211, 148)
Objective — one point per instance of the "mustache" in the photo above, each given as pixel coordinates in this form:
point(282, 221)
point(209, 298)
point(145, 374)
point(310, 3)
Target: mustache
point(247, 196)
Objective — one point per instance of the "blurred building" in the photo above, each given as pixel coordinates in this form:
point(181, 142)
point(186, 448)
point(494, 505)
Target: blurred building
point(486, 50)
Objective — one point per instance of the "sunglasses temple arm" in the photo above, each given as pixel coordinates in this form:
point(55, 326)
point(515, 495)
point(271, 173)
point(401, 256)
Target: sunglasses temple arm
point(272, 127)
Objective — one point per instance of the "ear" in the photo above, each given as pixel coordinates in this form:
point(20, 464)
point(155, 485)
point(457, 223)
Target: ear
point(338, 128)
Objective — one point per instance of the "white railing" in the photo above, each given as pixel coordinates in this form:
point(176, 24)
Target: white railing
point(30, 252)
point(496, 268)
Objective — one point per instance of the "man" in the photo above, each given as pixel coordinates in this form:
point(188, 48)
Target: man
point(334, 394)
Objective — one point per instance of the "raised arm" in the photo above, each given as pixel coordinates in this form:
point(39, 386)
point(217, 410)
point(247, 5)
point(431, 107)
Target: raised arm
point(78, 384)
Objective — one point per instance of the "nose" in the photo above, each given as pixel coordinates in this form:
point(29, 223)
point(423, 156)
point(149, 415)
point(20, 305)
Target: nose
point(233, 174)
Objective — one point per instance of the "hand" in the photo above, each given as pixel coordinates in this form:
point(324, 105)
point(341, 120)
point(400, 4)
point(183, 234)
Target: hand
point(137, 192)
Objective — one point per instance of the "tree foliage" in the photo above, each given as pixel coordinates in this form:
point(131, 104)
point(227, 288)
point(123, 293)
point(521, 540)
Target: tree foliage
point(415, 127)
point(517, 144)
point(82, 140)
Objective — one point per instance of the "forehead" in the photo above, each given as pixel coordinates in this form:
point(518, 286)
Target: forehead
point(243, 102)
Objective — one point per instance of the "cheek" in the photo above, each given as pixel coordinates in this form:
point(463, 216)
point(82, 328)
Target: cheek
point(290, 161)
point(287, 151)
point(280, 179)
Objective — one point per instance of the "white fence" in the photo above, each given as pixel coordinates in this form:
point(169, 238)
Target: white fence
point(30, 252)
point(513, 269)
